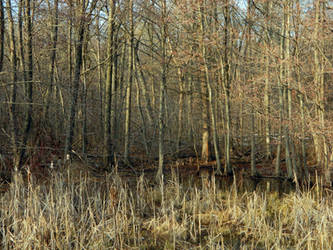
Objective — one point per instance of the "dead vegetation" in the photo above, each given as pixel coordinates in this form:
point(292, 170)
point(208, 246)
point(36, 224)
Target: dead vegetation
point(77, 210)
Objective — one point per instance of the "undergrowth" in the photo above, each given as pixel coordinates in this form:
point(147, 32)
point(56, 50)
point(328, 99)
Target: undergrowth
point(79, 211)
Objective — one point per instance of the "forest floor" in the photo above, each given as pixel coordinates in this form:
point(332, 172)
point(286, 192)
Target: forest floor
point(80, 207)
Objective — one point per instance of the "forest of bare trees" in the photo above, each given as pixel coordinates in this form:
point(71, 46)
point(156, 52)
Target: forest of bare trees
point(153, 81)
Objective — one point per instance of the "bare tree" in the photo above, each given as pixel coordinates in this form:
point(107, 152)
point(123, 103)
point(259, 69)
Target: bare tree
point(129, 82)
point(2, 33)
point(108, 86)
point(13, 92)
point(80, 29)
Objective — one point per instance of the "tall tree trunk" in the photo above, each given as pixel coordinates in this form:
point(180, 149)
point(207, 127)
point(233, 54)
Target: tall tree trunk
point(70, 48)
point(29, 85)
point(114, 90)
point(21, 42)
point(267, 82)
point(209, 87)
point(76, 82)
point(282, 129)
point(139, 104)
point(129, 84)
point(320, 139)
point(108, 88)
point(181, 84)
point(100, 77)
point(54, 39)
point(161, 115)
point(290, 160)
point(2, 33)
point(225, 76)
point(84, 97)
point(143, 83)
point(250, 76)
point(12, 101)
point(300, 95)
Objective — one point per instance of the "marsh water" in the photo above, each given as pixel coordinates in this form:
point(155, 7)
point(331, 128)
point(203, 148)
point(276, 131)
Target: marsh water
point(202, 179)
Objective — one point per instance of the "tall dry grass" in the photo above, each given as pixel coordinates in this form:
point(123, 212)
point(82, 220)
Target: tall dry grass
point(79, 211)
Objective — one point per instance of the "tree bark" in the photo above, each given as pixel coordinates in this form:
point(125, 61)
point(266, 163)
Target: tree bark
point(108, 88)
point(225, 72)
point(54, 39)
point(209, 88)
point(2, 33)
point(29, 83)
point(129, 84)
point(161, 115)
point(267, 83)
point(12, 101)
point(76, 82)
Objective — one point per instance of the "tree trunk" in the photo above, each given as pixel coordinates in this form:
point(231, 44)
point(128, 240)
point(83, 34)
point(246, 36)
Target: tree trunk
point(300, 95)
point(54, 39)
point(209, 87)
point(250, 76)
point(108, 88)
point(267, 83)
point(28, 85)
point(12, 101)
point(142, 80)
point(180, 110)
point(76, 82)
point(225, 72)
point(161, 115)
point(129, 84)
point(2, 33)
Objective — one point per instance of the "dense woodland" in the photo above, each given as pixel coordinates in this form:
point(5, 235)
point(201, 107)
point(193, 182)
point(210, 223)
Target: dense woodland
point(152, 81)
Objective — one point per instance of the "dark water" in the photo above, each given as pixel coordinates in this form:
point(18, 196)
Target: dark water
point(223, 183)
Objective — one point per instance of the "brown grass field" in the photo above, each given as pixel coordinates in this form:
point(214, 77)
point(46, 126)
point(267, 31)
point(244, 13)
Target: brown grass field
point(76, 208)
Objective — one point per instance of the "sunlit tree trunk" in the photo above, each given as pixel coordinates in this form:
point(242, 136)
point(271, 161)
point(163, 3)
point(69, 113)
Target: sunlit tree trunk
point(209, 88)
point(225, 72)
point(281, 102)
point(161, 115)
point(300, 87)
point(319, 138)
point(129, 83)
point(108, 88)
point(84, 136)
point(267, 82)
point(250, 76)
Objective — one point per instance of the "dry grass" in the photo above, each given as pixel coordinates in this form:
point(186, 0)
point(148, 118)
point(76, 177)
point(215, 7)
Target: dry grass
point(82, 212)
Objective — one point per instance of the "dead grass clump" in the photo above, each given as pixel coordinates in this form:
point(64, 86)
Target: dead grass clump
point(105, 212)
